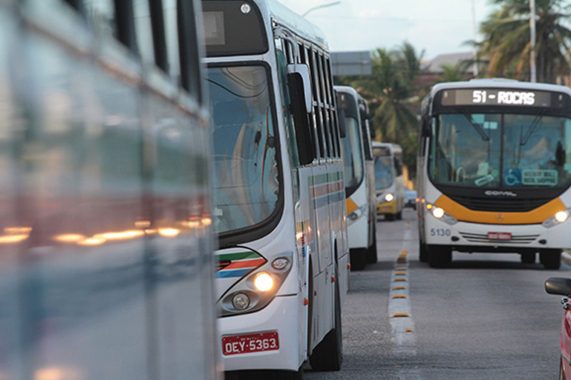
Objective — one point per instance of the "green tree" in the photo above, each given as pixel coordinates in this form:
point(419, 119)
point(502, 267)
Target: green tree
point(453, 73)
point(393, 97)
point(506, 39)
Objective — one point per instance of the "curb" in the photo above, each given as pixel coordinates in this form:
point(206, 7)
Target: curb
point(566, 257)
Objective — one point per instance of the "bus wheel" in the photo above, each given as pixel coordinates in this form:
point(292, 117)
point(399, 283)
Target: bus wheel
point(422, 253)
point(358, 258)
point(439, 256)
point(398, 215)
point(390, 217)
point(372, 250)
point(550, 258)
point(528, 258)
point(328, 354)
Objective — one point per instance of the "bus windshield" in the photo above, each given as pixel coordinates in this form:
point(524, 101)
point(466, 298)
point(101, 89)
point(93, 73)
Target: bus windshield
point(501, 150)
point(384, 174)
point(352, 155)
point(246, 175)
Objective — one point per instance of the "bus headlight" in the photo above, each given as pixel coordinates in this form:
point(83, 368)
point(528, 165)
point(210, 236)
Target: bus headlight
point(258, 288)
point(437, 212)
point(389, 197)
point(263, 282)
point(558, 218)
point(440, 214)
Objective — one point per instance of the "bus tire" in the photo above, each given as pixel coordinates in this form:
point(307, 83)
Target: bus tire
point(422, 252)
point(398, 215)
point(390, 217)
point(550, 258)
point(328, 355)
point(528, 258)
point(439, 256)
point(372, 250)
point(358, 258)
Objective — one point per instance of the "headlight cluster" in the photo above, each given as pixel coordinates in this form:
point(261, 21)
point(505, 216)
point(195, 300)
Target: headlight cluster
point(388, 197)
point(356, 214)
point(257, 289)
point(558, 218)
point(440, 214)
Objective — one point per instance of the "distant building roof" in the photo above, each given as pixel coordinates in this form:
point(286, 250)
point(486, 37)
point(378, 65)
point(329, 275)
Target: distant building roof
point(435, 65)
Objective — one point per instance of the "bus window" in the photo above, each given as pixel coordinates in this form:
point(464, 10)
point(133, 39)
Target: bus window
point(144, 31)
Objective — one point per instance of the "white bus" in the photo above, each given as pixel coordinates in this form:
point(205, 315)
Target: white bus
point(359, 177)
point(494, 170)
point(280, 201)
point(106, 250)
point(389, 181)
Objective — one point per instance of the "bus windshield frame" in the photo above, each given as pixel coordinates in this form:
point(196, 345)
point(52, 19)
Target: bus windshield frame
point(244, 232)
point(507, 150)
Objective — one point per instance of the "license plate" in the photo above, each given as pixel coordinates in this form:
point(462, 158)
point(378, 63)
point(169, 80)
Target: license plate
point(499, 235)
point(247, 343)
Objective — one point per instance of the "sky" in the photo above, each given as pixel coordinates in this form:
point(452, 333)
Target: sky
point(436, 26)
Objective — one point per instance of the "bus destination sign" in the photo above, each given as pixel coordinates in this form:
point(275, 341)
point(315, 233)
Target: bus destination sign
point(501, 97)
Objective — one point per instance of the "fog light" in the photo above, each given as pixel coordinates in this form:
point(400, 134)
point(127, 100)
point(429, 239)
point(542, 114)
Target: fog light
point(280, 263)
point(263, 282)
point(561, 216)
point(241, 301)
point(437, 212)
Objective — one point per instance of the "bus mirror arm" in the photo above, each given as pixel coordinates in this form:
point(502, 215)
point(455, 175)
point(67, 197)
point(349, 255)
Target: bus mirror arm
point(301, 71)
point(425, 126)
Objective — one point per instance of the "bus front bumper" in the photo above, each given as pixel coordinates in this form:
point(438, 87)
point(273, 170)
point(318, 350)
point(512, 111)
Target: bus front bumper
point(496, 237)
point(281, 316)
point(387, 207)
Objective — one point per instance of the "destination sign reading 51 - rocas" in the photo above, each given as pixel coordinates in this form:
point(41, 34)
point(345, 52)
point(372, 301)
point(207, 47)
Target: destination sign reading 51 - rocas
point(498, 97)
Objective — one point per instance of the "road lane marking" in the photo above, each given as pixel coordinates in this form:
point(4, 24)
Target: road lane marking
point(403, 335)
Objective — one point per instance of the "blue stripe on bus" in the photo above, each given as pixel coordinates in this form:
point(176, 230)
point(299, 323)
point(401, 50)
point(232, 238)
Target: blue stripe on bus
point(233, 273)
point(329, 198)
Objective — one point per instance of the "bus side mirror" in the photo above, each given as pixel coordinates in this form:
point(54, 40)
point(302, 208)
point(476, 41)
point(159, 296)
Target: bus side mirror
point(301, 73)
point(425, 126)
point(300, 106)
point(342, 122)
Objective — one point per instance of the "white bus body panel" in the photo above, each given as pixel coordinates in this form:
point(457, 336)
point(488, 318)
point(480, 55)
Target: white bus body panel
point(358, 230)
point(523, 236)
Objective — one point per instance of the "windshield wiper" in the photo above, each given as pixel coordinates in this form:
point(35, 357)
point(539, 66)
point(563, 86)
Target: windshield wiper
point(477, 127)
point(532, 128)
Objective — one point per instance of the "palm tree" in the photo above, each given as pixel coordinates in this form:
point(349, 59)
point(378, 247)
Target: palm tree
point(453, 73)
point(392, 96)
point(506, 41)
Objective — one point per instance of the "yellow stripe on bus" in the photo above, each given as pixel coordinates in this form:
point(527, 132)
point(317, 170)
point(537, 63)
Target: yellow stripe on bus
point(535, 216)
point(350, 206)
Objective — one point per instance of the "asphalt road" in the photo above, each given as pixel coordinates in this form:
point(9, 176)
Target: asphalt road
point(485, 317)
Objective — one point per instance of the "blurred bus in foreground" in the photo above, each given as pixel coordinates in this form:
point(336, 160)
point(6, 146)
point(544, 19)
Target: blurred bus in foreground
point(359, 177)
point(280, 201)
point(494, 170)
point(106, 267)
point(389, 182)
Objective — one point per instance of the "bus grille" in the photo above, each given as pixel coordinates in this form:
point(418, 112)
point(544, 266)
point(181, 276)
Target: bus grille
point(483, 238)
point(500, 205)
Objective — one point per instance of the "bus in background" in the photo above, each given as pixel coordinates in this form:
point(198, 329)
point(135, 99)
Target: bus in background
point(358, 175)
point(279, 195)
point(106, 268)
point(494, 170)
point(389, 180)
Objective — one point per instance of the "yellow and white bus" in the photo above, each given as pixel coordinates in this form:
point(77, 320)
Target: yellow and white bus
point(494, 170)
point(389, 182)
point(279, 195)
point(359, 176)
